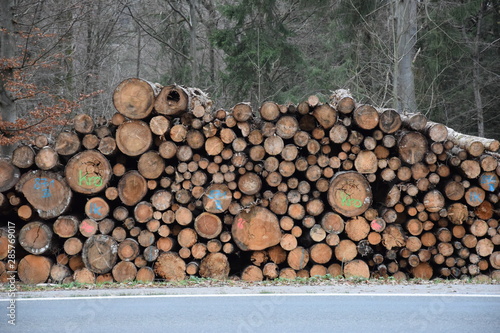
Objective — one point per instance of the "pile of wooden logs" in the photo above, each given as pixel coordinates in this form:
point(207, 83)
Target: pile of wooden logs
point(171, 188)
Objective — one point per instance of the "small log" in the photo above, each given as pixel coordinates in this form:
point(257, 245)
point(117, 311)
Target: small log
point(66, 226)
point(124, 271)
point(150, 253)
point(23, 157)
point(97, 208)
point(366, 117)
point(392, 237)
point(145, 274)
point(59, 272)
point(252, 273)
point(389, 120)
point(423, 271)
point(287, 127)
point(298, 258)
point(88, 172)
point(9, 175)
point(242, 112)
point(357, 228)
point(326, 115)
point(321, 253)
point(346, 250)
point(434, 201)
point(132, 188)
point(73, 246)
point(128, 249)
point(269, 111)
point(208, 225)
point(475, 196)
point(217, 198)
point(342, 100)
point(83, 123)
point(84, 276)
point(366, 162)
point(143, 212)
point(35, 237)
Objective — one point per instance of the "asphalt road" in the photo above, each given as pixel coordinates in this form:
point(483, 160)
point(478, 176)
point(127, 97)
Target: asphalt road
point(259, 311)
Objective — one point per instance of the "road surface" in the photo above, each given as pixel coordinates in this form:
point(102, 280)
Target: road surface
point(257, 310)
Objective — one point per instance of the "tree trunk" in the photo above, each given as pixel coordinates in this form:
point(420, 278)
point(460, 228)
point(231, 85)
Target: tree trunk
point(8, 113)
point(405, 37)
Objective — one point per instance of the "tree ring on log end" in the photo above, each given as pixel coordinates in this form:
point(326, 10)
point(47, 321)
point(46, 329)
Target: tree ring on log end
point(349, 194)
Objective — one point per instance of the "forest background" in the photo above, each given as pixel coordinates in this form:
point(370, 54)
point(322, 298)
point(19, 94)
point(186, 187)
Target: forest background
point(61, 57)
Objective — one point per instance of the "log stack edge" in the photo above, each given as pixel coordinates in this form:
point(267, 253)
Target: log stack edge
point(171, 187)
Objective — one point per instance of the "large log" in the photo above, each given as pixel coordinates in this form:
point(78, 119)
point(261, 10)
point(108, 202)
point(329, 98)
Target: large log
point(215, 266)
point(134, 137)
point(99, 253)
point(256, 229)
point(33, 269)
point(46, 191)
point(88, 172)
point(135, 98)
point(170, 266)
point(172, 100)
point(349, 193)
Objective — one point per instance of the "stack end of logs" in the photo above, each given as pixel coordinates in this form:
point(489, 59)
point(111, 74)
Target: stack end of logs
point(170, 188)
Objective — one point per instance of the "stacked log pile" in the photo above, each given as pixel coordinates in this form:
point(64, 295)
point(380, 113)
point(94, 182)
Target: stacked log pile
point(170, 188)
